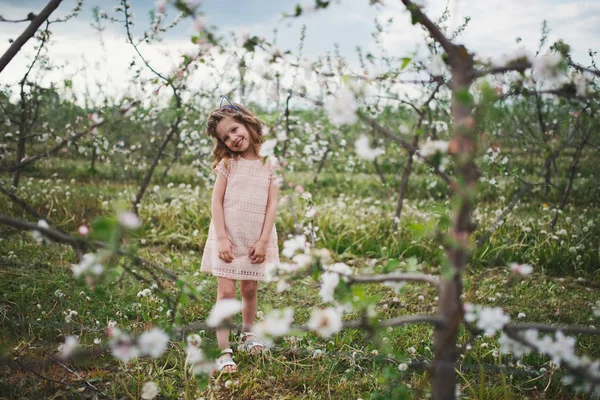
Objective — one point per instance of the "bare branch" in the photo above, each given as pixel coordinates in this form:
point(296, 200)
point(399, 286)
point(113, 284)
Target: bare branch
point(433, 29)
point(28, 33)
point(550, 328)
point(394, 277)
point(408, 146)
point(520, 67)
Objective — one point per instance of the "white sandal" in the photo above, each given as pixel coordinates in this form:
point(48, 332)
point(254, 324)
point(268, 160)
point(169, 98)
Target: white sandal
point(253, 345)
point(226, 361)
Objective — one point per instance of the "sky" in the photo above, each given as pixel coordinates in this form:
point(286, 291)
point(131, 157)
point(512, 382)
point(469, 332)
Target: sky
point(494, 27)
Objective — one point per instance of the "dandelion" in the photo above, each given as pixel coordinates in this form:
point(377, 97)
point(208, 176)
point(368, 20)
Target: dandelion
point(223, 309)
point(403, 366)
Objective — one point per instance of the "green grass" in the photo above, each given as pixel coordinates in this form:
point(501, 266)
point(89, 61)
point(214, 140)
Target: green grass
point(355, 222)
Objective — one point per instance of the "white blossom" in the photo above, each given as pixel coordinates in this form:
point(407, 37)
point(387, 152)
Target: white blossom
point(522, 269)
point(325, 322)
point(329, 281)
point(149, 391)
point(197, 361)
point(67, 348)
point(89, 264)
point(364, 151)
point(507, 345)
point(128, 220)
point(403, 366)
point(276, 323)
point(37, 236)
point(153, 343)
point(267, 148)
point(547, 65)
point(290, 246)
point(431, 147)
point(341, 109)
point(491, 320)
point(223, 309)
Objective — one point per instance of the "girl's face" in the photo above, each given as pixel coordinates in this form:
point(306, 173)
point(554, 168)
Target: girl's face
point(235, 135)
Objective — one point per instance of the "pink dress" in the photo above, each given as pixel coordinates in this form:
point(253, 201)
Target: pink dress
point(244, 208)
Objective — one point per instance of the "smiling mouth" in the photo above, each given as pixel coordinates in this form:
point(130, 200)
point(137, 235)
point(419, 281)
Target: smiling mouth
point(238, 142)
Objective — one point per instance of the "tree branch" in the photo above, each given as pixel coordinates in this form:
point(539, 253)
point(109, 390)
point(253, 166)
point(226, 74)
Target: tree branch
point(28, 33)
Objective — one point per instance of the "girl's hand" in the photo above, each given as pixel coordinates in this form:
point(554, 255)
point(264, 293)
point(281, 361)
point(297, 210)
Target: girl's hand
point(258, 252)
point(225, 250)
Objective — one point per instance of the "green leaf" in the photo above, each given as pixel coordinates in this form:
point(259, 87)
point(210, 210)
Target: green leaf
point(405, 62)
point(298, 10)
point(417, 230)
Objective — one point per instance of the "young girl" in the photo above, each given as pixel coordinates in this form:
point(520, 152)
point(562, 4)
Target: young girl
point(241, 236)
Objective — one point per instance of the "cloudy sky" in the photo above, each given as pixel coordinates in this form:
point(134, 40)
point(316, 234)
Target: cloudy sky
point(495, 25)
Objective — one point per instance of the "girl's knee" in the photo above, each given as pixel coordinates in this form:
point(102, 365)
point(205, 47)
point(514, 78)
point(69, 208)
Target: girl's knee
point(225, 289)
point(249, 289)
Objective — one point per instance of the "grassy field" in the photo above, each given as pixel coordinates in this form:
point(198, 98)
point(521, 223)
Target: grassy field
point(355, 216)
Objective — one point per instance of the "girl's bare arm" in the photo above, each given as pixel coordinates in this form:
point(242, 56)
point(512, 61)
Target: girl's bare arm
point(270, 213)
point(218, 216)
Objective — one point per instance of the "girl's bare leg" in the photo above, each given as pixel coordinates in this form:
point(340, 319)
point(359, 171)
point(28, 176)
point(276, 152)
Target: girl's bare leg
point(249, 291)
point(225, 290)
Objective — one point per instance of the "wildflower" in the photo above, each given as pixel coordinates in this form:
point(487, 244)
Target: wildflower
point(153, 343)
point(325, 322)
point(364, 151)
point(317, 353)
point(342, 108)
point(224, 309)
point(403, 366)
point(149, 390)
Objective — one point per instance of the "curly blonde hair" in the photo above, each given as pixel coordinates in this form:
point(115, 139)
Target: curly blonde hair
point(240, 114)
